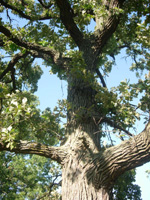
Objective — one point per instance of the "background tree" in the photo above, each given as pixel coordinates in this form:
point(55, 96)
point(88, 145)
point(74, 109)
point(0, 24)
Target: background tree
point(58, 32)
point(24, 177)
point(125, 188)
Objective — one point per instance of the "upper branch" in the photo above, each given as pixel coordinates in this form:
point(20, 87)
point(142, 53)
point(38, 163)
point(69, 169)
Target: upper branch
point(27, 45)
point(35, 49)
point(44, 5)
point(115, 125)
point(66, 16)
point(102, 34)
point(12, 63)
point(26, 147)
point(22, 14)
point(101, 77)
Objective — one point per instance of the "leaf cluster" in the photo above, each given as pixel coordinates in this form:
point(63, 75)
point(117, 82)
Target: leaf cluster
point(21, 119)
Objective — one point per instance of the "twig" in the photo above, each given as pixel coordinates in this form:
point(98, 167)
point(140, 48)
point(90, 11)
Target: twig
point(101, 77)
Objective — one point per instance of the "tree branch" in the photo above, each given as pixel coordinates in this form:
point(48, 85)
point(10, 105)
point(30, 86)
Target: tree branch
point(27, 45)
point(66, 16)
point(12, 63)
point(44, 5)
point(26, 147)
point(102, 35)
point(115, 125)
point(47, 194)
point(59, 60)
point(22, 14)
point(1, 43)
point(36, 49)
point(114, 161)
point(101, 77)
point(13, 78)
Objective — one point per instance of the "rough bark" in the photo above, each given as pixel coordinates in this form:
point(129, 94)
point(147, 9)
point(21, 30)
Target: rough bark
point(75, 183)
point(75, 179)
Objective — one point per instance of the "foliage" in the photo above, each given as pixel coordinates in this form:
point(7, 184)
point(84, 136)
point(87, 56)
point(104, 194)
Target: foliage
point(125, 188)
point(28, 177)
point(23, 120)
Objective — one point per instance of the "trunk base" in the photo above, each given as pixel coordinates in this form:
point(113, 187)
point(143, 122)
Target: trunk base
point(75, 186)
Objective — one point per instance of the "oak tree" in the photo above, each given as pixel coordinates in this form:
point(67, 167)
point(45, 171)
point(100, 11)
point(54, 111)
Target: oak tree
point(79, 40)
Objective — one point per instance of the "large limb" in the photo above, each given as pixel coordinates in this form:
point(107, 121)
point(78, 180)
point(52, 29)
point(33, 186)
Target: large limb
point(66, 16)
point(26, 147)
point(34, 49)
point(105, 31)
point(114, 161)
point(27, 45)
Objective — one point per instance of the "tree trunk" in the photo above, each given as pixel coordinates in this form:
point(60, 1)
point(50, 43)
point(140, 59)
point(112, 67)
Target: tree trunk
point(75, 184)
point(83, 142)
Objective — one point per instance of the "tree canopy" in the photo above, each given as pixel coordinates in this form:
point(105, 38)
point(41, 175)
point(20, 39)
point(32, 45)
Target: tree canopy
point(80, 42)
